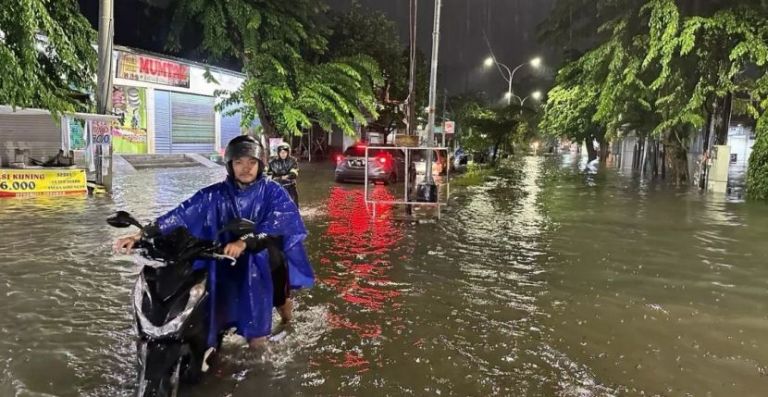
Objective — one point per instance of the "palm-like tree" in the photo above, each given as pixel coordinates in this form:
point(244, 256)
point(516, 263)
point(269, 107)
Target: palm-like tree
point(280, 44)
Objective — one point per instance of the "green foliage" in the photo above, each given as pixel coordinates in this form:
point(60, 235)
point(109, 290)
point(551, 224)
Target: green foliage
point(658, 66)
point(757, 175)
point(475, 175)
point(358, 31)
point(493, 127)
point(571, 105)
point(45, 55)
point(290, 82)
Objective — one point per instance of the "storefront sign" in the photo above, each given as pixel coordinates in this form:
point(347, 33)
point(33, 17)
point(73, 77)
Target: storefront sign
point(33, 182)
point(101, 131)
point(129, 135)
point(449, 127)
point(152, 70)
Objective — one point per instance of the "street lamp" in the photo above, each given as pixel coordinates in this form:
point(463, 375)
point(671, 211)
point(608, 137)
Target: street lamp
point(536, 95)
point(491, 60)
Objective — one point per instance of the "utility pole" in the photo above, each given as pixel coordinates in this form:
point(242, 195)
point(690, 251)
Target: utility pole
point(411, 111)
point(104, 83)
point(427, 190)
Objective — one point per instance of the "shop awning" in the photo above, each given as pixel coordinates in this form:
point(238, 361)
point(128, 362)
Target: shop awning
point(8, 110)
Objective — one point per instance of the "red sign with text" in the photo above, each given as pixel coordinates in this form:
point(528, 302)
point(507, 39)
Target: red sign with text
point(152, 70)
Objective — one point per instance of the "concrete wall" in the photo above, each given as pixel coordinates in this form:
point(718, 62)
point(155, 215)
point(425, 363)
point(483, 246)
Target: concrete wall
point(37, 134)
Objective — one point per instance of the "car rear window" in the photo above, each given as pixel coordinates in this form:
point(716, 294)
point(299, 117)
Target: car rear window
point(359, 151)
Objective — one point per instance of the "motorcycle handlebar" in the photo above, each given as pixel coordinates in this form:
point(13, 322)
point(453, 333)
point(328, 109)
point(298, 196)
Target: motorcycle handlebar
point(221, 257)
point(210, 253)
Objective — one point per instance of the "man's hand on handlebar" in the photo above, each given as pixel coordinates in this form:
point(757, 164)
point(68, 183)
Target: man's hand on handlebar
point(235, 248)
point(124, 245)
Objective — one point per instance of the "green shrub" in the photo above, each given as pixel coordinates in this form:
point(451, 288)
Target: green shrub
point(475, 175)
point(757, 174)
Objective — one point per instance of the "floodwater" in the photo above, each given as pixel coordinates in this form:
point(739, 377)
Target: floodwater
point(546, 281)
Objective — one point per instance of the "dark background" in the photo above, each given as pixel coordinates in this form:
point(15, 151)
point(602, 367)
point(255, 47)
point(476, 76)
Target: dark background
point(510, 26)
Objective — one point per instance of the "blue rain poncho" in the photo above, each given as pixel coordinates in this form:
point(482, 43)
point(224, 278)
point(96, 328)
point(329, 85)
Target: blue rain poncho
point(241, 295)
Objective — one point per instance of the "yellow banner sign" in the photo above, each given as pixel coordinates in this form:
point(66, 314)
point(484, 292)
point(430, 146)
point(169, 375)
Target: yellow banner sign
point(31, 182)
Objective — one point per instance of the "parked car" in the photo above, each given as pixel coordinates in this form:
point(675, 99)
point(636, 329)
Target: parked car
point(384, 165)
point(439, 162)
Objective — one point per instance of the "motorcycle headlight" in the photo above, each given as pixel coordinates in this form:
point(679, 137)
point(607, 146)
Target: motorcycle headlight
point(196, 293)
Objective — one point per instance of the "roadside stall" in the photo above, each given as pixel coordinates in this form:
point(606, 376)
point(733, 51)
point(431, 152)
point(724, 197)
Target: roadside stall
point(45, 155)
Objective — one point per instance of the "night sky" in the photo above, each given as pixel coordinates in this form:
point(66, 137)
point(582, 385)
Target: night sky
point(509, 24)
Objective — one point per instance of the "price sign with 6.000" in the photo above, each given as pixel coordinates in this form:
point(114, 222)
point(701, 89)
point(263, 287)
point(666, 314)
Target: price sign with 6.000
point(15, 185)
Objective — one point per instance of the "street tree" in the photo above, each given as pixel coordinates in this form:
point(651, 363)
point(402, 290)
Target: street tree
point(360, 31)
point(704, 61)
point(571, 105)
point(667, 68)
point(494, 127)
point(281, 45)
point(599, 90)
point(46, 55)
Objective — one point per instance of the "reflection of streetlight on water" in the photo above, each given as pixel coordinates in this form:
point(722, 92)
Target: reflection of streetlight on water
point(491, 60)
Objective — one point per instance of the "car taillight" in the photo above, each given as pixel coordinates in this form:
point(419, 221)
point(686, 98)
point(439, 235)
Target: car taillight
point(339, 159)
point(382, 160)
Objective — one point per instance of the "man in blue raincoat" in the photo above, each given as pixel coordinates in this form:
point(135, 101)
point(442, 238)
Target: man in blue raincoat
point(243, 295)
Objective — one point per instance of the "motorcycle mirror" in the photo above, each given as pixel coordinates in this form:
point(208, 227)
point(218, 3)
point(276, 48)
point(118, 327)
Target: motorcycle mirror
point(123, 219)
point(239, 227)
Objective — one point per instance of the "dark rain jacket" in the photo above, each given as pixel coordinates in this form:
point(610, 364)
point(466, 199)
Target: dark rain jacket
point(288, 167)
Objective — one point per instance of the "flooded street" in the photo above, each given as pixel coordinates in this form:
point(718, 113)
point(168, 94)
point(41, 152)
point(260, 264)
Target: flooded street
point(545, 280)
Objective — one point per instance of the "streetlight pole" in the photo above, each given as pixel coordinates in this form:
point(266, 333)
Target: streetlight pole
point(535, 63)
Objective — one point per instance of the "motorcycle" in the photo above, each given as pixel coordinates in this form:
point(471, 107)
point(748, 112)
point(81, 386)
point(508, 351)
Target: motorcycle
point(170, 302)
point(290, 186)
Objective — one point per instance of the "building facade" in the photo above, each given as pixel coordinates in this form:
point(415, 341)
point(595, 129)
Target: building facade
point(167, 105)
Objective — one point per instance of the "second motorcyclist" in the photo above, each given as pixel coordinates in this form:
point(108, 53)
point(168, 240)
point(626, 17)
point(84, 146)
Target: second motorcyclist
point(285, 170)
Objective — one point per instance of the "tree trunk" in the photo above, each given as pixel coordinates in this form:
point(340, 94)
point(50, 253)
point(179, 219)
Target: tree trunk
point(723, 119)
point(268, 125)
point(646, 146)
point(676, 157)
point(603, 149)
point(709, 137)
point(591, 152)
point(495, 152)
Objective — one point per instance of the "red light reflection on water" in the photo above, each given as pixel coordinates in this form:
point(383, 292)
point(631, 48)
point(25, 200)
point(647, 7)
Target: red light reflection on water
point(357, 267)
